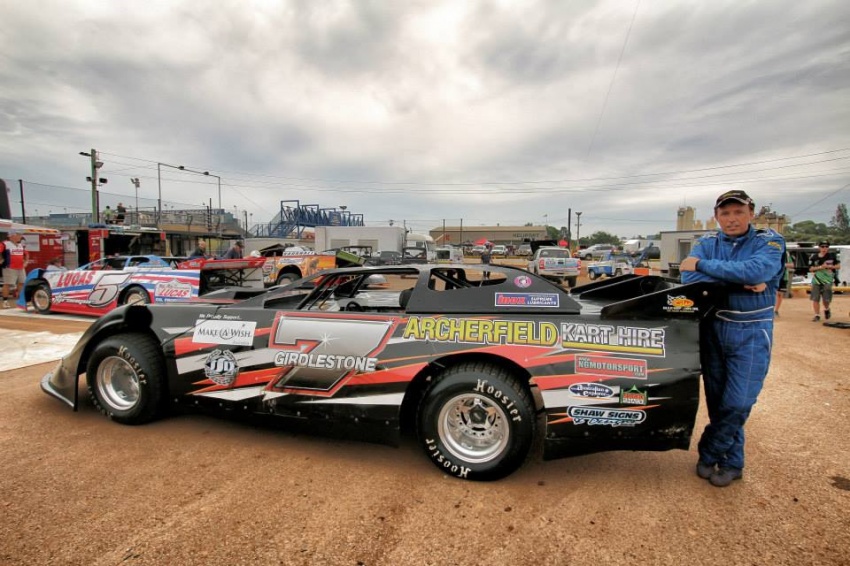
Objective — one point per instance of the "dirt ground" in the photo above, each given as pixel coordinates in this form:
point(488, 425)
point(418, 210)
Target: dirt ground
point(78, 489)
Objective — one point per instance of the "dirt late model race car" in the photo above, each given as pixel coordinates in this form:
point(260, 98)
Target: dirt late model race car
point(478, 368)
point(98, 287)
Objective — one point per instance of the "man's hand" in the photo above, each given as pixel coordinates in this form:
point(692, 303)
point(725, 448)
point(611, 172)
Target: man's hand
point(689, 264)
point(758, 288)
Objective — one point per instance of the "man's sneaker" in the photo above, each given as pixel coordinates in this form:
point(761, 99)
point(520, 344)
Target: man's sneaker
point(827, 313)
point(705, 470)
point(6, 304)
point(724, 476)
point(816, 318)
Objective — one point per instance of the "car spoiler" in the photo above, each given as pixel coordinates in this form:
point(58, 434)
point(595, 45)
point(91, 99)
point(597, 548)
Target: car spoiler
point(213, 264)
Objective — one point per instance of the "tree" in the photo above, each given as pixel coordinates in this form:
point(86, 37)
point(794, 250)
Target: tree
point(841, 221)
point(602, 238)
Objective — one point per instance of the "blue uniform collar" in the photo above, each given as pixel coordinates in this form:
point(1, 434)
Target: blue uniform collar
point(737, 239)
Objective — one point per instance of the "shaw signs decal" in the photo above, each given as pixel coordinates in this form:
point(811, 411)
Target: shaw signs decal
point(606, 417)
point(646, 341)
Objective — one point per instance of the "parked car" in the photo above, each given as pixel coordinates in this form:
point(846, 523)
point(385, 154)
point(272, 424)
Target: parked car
point(596, 251)
point(478, 250)
point(524, 250)
point(386, 257)
point(555, 263)
point(482, 370)
point(499, 250)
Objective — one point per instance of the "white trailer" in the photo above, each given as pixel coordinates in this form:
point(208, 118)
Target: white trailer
point(675, 246)
point(380, 238)
point(636, 245)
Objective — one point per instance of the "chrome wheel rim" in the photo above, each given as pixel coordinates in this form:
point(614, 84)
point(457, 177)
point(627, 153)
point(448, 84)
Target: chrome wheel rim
point(473, 428)
point(134, 298)
point(41, 299)
point(118, 383)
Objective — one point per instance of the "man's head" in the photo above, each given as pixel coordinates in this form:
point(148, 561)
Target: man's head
point(240, 244)
point(15, 236)
point(202, 244)
point(733, 211)
point(823, 246)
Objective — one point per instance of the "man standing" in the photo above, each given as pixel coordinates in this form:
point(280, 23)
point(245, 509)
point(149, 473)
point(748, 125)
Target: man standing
point(485, 260)
point(735, 345)
point(823, 266)
point(235, 251)
point(120, 213)
point(200, 252)
point(15, 260)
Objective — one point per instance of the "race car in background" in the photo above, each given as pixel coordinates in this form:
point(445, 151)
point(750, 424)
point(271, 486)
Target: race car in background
point(480, 368)
point(98, 287)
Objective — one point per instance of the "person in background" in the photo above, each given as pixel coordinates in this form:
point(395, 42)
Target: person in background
point(235, 251)
point(823, 266)
point(735, 345)
point(485, 259)
point(120, 213)
point(200, 252)
point(787, 278)
point(107, 215)
point(15, 259)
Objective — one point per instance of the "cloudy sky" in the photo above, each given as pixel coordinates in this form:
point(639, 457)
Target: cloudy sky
point(490, 112)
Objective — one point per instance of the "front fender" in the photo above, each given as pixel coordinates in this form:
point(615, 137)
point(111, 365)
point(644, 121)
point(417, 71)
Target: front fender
point(30, 283)
point(62, 382)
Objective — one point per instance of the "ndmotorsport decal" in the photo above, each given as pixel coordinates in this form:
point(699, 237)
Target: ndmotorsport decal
point(608, 366)
point(633, 396)
point(680, 304)
point(594, 390)
point(606, 417)
point(232, 332)
point(646, 341)
point(527, 300)
point(221, 368)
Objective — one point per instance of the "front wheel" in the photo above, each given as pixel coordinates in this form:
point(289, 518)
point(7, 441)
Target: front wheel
point(126, 378)
point(42, 299)
point(477, 422)
point(593, 275)
point(285, 279)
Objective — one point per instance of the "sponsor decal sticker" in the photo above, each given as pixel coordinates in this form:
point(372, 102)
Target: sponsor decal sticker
point(173, 290)
point(522, 281)
point(595, 390)
point(649, 341)
point(606, 417)
point(527, 299)
point(75, 278)
point(680, 304)
point(221, 368)
point(610, 366)
point(633, 396)
point(233, 332)
point(325, 361)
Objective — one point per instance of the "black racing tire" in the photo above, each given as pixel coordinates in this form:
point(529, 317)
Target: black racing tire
point(618, 272)
point(592, 275)
point(126, 378)
point(571, 281)
point(136, 295)
point(353, 307)
point(42, 298)
point(285, 279)
point(477, 422)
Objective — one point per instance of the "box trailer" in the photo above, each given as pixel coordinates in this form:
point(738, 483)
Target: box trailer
point(675, 246)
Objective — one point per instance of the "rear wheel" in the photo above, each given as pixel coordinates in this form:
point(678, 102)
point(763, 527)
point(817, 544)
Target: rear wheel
point(593, 275)
point(477, 422)
point(126, 378)
point(285, 278)
point(136, 296)
point(42, 299)
point(618, 272)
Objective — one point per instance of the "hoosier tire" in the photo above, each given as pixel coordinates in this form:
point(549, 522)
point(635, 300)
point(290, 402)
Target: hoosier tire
point(477, 422)
point(42, 299)
point(126, 378)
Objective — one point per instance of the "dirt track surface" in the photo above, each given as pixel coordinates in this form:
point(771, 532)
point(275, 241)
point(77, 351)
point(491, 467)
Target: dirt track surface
point(78, 489)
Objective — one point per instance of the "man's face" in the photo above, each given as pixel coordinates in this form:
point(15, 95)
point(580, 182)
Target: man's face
point(16, 238)
point(734, 218)
point(202, 245)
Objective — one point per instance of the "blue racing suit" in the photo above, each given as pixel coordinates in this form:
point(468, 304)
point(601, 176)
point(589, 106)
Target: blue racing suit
point(735, 344)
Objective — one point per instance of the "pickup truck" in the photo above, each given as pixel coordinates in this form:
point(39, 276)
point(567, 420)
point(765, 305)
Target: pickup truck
point(611, 265)
point(555, 263)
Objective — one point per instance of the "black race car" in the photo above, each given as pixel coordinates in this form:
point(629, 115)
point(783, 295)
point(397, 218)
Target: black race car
point(478, 365)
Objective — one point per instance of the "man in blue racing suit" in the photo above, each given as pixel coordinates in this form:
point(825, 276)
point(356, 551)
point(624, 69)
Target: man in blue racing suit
point(736, 343)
